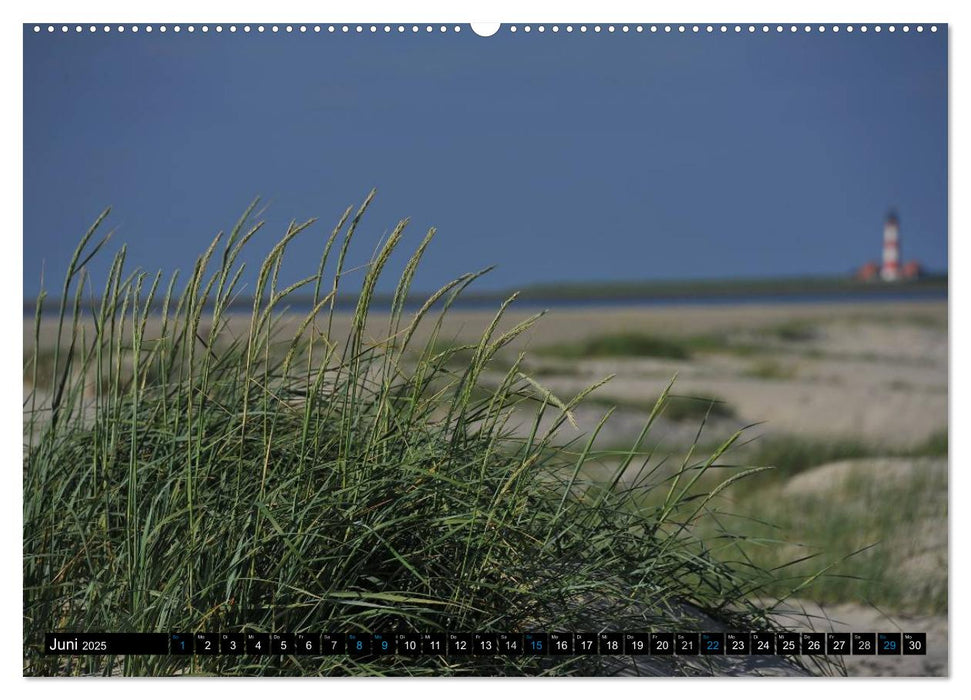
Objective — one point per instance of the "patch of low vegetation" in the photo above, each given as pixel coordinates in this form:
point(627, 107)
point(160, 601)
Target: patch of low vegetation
point(790, 455)
point(770, 368)
point(721, 344)
point(794, 331)
point(653, 345)
point(674, 407)
point(549, 369)
point(620, 345)
point(339, 485)
point(933, 446)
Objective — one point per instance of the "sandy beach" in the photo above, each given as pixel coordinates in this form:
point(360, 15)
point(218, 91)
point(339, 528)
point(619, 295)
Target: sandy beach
point(873, 371)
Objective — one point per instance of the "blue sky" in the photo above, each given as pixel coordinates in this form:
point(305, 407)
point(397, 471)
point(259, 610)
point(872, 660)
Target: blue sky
point(555, 157)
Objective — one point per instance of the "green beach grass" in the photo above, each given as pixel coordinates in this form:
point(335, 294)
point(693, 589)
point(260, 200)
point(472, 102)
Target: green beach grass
point(876, 537)
point(180, 478)
point(880, 541)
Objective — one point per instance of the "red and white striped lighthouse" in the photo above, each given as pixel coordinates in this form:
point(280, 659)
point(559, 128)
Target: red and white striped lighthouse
point(890, 271)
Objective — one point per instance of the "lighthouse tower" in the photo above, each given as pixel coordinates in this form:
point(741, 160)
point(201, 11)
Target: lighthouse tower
point(890, 270)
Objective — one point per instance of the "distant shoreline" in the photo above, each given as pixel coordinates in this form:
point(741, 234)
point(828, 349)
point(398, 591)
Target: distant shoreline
point(724, 299)
point(675, 293)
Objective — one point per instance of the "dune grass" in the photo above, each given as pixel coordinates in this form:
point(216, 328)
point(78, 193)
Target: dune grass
point(873, 538)
point(181, 478)
point(881, 541)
